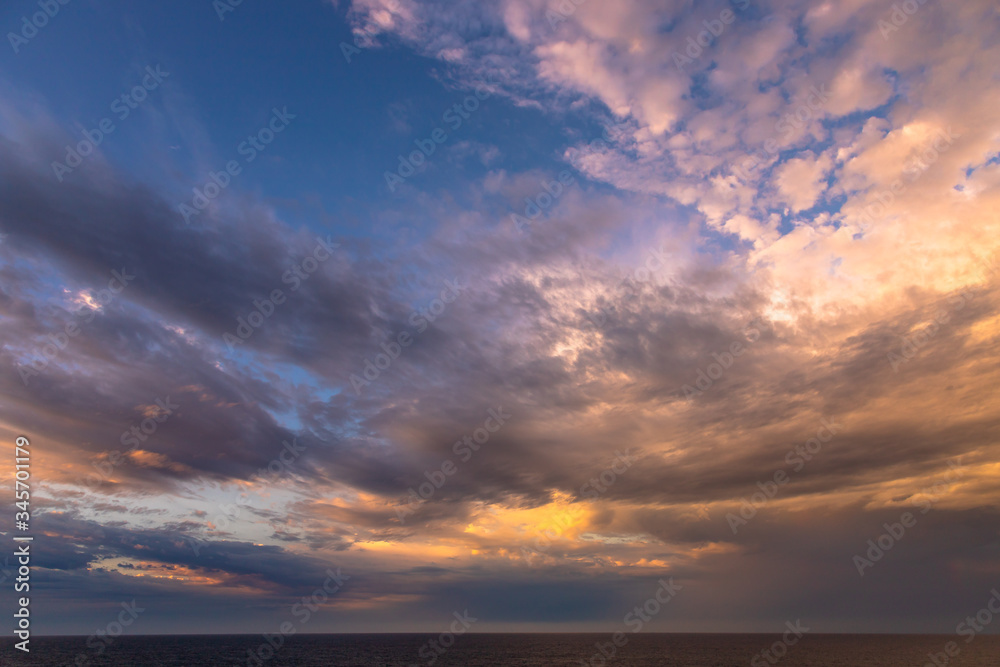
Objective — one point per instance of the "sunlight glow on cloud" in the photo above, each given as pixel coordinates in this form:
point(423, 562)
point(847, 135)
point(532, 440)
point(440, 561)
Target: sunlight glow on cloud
point(798, 224)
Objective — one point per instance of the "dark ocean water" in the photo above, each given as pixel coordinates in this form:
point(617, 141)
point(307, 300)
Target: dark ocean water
point(497, 650)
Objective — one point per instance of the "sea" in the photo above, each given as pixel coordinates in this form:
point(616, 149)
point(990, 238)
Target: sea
point(502, 650)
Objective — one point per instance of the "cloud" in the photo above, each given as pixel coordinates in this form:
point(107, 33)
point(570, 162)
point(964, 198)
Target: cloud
point(804, 179)
point(801, 181)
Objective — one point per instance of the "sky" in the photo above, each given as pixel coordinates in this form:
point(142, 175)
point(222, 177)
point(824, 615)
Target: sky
point(517, 308)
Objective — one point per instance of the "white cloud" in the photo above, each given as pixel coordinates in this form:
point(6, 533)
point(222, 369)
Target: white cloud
point(802, 180)
point(688, 135)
